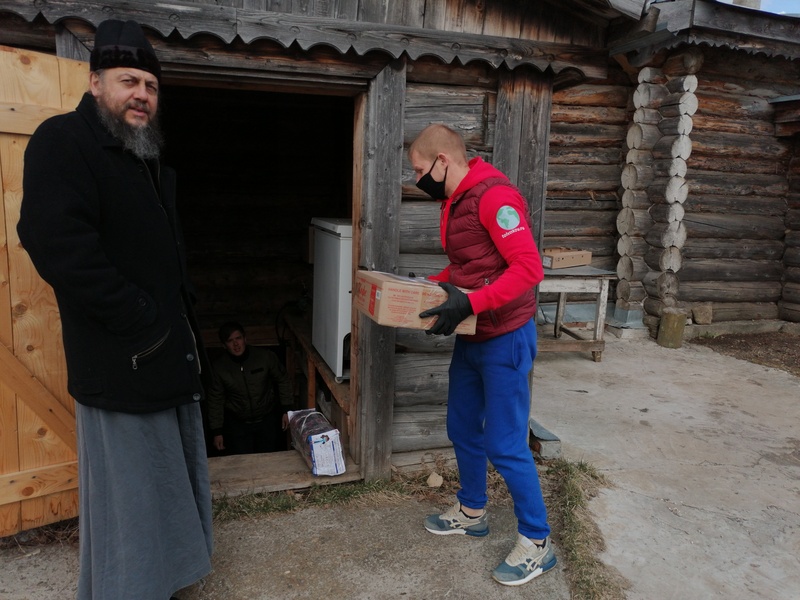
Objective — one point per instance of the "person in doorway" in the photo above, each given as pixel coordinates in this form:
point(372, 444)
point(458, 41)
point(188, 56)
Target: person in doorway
point(99, 222)
point(250, 396)
point(486, 233)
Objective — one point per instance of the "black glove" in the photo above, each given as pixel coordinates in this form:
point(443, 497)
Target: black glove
point(450, 313)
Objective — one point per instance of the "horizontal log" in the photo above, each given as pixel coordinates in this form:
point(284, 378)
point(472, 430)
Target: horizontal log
point(740, 227)
point(730, 269)
point(730, 291)
point(632, 268)
point(587, 156)
point(580, 223)
point(636, 177)
point(636, 199)
point(792, 275)
point(733, 106)
point(680, 125)
point(678, 104)
point(792, 239)
point(664, 259)
point(633, 222)
point(598, 246)
point(649, 95)
point(737, 164)
point(664, 235)
point(684, 62)
point(593, 95)
point(651, 75)
point(721, 145)
point(641, 136)
point(655, 306)
point(743, 311)
point(661, 285)
point(789, 311)
point(791, 292)
point(639, 157)
point(737, 184)
point(696, 247)
point(562, 113)
point(630, 291)
point(666, 213)
point(669, 167)
point(419, 429)
point(791, 258)
point(729, 204)
point(793, 218)
point(726, 124)
point(669, 190)
point(628, 245)
point(583, 177)
point(673, 146)
point(683, 83)
point(601, 200)
point(647, 116)
point(583, 134)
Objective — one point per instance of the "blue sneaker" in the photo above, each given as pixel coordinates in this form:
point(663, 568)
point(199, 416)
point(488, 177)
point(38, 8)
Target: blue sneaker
point(454, 521)
point(524, 564)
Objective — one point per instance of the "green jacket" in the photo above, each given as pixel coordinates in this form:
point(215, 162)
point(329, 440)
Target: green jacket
point(248, 388)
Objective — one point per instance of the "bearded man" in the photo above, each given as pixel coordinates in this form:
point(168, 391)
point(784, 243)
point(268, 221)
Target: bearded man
point(98, 220)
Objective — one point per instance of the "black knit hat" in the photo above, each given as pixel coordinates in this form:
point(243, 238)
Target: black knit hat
point(123, 44)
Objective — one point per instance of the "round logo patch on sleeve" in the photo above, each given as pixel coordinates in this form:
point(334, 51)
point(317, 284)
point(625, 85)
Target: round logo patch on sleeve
point(507, 217)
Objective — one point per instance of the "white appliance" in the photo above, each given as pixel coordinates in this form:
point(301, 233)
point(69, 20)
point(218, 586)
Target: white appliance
point(333, 280)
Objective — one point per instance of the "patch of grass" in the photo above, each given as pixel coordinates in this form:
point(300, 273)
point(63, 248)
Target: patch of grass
point(571, 486)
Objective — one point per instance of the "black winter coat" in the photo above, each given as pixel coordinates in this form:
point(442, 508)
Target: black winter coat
point(103, 232)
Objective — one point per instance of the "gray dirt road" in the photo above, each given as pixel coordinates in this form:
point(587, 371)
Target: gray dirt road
point(703, 451)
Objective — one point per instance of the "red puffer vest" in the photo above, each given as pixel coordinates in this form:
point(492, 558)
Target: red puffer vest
point(476, 262)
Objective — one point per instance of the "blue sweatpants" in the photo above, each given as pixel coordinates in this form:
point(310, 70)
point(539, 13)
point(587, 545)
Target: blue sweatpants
point(488, 408)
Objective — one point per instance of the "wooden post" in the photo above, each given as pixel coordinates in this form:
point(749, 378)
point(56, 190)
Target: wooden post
point(379, 241)
point(670, 328)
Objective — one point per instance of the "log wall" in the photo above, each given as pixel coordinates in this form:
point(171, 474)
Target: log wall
point(789, 304)
point(706, 167)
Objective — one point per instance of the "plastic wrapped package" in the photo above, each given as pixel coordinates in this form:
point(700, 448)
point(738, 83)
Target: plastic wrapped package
point(317, 441)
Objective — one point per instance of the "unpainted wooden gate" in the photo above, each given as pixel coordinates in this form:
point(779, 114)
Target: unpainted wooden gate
point(38, 463)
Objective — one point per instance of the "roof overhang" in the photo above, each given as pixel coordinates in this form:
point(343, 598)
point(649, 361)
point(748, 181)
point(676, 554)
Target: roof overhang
point(226, 23)
point(672, 23)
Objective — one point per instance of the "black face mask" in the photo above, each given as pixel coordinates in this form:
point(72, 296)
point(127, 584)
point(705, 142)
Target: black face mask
point(434, 189)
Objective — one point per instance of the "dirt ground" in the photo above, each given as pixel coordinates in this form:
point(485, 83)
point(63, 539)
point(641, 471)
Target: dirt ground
point(780, 350)
point(691, 435)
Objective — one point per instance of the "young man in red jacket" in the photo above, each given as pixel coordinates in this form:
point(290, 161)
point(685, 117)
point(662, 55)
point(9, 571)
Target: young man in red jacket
point(486, 233)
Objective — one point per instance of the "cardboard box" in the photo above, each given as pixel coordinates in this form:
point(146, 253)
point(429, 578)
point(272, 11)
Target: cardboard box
point(558, 258)
point(317, 442)
point(396, 301)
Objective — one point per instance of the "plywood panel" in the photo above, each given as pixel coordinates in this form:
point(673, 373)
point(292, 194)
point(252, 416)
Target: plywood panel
point(29, 78)
point(74, 78)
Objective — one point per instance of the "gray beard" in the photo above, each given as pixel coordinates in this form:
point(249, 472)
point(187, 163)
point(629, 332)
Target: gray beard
point(144, 142)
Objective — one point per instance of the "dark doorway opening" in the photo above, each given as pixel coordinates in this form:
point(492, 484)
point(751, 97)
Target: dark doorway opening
point(254, 167)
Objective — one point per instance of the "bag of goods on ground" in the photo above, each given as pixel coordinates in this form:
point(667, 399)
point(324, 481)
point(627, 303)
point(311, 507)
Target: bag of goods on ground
point(316, 441)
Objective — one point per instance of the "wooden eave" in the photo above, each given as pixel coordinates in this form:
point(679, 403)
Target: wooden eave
point(706, 22)
point(226, 23)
